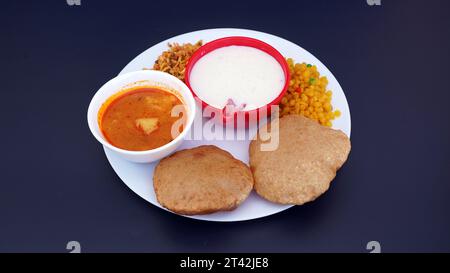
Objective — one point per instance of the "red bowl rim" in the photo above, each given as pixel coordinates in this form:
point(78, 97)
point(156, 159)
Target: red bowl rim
point(238, 41)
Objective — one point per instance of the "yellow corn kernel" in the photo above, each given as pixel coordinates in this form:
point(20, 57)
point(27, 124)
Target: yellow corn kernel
point(315, 100)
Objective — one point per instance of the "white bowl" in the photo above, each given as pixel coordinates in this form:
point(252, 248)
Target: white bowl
point(143, 78)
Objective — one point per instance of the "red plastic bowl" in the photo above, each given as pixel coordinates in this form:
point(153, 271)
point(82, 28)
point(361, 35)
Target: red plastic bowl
point(239, 41)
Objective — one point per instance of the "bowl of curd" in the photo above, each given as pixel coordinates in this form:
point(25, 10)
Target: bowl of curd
point(237, 77)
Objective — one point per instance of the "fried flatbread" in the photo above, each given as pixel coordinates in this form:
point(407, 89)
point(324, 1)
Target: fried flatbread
point(303, 165)
point(201, 180)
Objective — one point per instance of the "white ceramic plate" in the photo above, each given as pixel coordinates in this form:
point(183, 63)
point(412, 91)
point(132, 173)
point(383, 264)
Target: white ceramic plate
point(138, 177)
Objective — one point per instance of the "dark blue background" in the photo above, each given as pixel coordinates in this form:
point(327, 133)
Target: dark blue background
point(56, 184)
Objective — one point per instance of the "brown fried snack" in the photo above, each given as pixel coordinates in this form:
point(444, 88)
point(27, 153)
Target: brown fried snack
point(303, 165)
point(173, 61)
point(201, 180)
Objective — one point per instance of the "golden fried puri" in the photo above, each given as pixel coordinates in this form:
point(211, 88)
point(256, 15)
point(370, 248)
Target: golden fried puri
point(201, 180)
point(303, 165)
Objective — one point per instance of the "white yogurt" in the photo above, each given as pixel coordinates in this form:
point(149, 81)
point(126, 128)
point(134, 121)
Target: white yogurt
point(246, 75)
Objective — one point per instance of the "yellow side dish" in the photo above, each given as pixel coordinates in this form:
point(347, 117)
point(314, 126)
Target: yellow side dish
point(307, 94)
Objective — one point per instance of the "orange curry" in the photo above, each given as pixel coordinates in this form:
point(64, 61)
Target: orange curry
point(139, 119)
